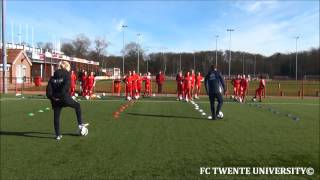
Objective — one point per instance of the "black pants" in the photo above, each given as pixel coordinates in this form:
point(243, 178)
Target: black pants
point(159, 88)
point(212, 98)
point(57, 107)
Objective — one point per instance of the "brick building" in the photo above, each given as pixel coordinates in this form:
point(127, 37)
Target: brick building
point(30, 62)
point(19, 65)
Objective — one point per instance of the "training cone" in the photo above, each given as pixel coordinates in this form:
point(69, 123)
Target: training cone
point(296, 118)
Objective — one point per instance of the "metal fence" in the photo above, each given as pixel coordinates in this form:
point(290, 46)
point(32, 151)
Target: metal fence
point(299, 88)
point(19, 85)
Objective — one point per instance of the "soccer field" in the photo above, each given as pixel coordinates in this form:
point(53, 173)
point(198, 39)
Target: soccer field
point(158, 138)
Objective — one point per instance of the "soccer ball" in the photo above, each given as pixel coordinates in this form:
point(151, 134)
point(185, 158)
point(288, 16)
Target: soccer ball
point(254, 99)
point(220, 115)
point(232, 97)
point(76, 94)
point(103, 94)
point(153, 94)
point(83, 131)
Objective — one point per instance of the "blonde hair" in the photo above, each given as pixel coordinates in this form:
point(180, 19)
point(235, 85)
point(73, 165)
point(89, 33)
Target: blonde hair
point(64, 65)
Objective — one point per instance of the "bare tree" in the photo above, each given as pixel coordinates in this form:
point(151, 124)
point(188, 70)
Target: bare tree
point(132, 48)
point(100, 45)
point(81, 46)
point(40, 44)
point(46, 46)
point(68, 49)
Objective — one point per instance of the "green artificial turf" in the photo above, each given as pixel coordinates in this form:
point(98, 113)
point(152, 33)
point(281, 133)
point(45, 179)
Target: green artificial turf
point(157, 138)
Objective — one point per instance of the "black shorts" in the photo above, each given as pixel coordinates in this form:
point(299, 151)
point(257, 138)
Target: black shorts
point(66, 102)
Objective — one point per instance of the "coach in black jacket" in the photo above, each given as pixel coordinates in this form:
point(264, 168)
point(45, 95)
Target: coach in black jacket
point(59, 95)
point(215, 88)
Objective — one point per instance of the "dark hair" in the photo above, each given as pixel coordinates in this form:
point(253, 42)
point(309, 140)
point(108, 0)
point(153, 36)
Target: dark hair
point(213, 67)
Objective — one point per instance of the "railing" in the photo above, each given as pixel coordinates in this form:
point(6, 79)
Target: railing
point(20, 85)
point(299, 88)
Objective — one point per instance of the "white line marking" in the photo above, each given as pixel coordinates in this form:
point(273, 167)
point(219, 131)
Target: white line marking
point(159, 101)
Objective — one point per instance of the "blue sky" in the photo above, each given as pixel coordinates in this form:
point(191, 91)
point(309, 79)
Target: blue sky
point(262, 27)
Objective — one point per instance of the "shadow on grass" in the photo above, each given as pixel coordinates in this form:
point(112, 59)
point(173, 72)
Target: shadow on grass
point(40, 135)
point(165, 116)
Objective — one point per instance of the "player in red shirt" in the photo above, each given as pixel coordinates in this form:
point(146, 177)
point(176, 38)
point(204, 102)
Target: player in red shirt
point(134, 78)
point(84, 83)
point(198, 81)
point(117, 86)
point(139, 84)
point(160, 79)
point(128, 81)
point(90, 84)
point(179, 80)
point(73, 82)
point(187, 86)
point(147, 84)
point(262, 85)
point(243, 87)
point(236, 86)
point(193, 80)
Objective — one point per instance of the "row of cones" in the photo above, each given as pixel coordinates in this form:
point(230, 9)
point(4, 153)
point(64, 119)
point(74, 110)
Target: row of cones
point(122, 108)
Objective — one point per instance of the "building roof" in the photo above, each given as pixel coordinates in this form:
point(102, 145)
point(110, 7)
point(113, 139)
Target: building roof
point(13, 54)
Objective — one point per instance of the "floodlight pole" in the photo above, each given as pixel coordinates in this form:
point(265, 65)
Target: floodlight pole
point(4, 51)
point(242, 63)
point(180, 62)
point(194, 61)
point(254, 66)
point(230, 30)
point(138, 48)
point(297, 37)
point(123, 49)
point(217, 36)
point(147, 65)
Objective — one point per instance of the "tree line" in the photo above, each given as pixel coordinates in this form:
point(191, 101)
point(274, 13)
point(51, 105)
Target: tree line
point(278, 64)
